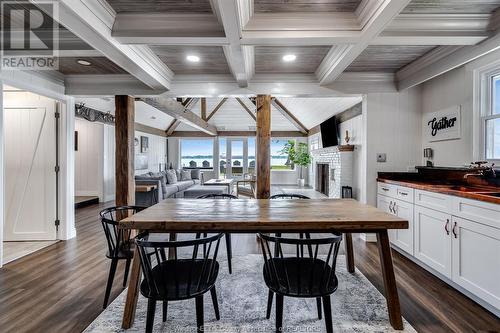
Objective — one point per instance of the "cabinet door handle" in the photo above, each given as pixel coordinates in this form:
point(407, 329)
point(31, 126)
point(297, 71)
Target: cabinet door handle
point(390, 207)
point(394, 208)
point(403, 193)
point(453, 230)
point(385, 189)
point(447, 227)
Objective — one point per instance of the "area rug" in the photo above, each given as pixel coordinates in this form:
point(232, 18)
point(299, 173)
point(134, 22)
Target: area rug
point(357, 306)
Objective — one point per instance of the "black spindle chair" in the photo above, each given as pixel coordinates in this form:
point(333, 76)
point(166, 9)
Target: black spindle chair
point(299, 275)
point(178, 278)
point(227, 235)
point(119, 242)
point(288, 196)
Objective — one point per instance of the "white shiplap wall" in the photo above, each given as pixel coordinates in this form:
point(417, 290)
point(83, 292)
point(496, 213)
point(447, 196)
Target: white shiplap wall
point(89, 159)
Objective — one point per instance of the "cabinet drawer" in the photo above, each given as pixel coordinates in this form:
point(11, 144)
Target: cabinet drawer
point(478, 211)
point(405, 194)
point(437, 201)
point(387, 189)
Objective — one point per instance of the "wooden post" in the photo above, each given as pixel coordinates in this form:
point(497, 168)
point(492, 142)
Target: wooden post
point(124, 150)
point(263, 142)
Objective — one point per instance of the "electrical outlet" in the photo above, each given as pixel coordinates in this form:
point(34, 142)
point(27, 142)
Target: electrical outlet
point(381, 157)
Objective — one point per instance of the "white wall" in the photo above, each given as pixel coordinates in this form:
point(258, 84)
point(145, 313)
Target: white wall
point(445, 91)
point(355, 128)
point(391, 123)
point(95, 158)
point(156, 153)
point(89, 159)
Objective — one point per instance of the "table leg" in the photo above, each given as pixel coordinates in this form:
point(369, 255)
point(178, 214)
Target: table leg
point(349, 252)
point(132, 292)
point(391, 290)
point(171, 251)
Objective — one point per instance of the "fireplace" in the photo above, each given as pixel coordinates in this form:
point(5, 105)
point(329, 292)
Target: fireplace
point(323, 178)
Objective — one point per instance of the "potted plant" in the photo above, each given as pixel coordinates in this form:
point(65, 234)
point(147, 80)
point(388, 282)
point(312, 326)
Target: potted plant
point(298, 155)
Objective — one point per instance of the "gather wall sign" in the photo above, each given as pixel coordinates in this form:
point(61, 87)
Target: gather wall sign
point(443, 125)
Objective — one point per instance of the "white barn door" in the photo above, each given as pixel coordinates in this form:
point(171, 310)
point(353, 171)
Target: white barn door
point(30, 177)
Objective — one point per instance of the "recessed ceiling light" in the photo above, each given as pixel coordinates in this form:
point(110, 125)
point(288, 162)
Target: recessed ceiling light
point(84, 62)
point(193, 58)
point(289, 57)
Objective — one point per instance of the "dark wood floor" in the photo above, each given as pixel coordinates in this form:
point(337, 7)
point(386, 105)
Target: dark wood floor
point(60, 289)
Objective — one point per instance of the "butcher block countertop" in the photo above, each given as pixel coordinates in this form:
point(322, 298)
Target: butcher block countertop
point(476, 192)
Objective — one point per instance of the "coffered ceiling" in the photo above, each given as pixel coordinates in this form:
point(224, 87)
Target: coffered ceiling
point(247, 41)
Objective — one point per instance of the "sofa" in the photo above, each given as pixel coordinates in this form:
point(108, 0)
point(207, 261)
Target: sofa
point(167, 185)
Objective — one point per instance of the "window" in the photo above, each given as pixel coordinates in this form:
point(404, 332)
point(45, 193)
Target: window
point(279, 160)
point(251, 155)
point(491, 121)
point(197, 153)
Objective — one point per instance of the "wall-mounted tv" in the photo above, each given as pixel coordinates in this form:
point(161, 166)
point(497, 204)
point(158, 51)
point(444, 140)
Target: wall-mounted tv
point(329, 132)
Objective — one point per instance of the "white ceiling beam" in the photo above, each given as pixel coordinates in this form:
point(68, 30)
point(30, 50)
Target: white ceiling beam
point(364, 82)
point(430, 38)
point(106, 85)
point(414, 74)
point(179, 112)
point(92, 21)
point(436, 29)
point(168, 28)
point(234, 15)
point(374, 17)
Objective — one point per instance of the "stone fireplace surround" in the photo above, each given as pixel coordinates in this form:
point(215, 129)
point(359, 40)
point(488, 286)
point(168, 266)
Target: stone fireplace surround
point(341, 168)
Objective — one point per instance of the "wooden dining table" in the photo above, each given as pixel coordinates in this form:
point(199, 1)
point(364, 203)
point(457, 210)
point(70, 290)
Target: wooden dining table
point(263, 215)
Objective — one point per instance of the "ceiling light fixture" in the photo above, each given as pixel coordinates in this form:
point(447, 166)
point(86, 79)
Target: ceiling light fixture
point(84, 62)
point(193, 58)
point(289, 57)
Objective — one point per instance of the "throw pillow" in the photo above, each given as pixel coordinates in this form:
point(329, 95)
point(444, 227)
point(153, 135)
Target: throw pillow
point(186, 175)
point(195, 174)
point(171, 176)
point(178, 174)
point(163, 181)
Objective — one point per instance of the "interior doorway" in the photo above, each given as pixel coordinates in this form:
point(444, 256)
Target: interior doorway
point(31, 172)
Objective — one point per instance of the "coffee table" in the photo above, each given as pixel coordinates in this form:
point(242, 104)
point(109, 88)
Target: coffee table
point(221, 182)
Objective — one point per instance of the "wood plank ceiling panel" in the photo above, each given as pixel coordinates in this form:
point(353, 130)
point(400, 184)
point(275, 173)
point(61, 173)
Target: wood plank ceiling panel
point(452, 6)
point(268, 59)
point(99, 65)
point(290, 6)
point(383, 58)
point(152, 6)
point(212, 59)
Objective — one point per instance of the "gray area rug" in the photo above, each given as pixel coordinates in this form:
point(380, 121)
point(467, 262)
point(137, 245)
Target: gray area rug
point(357, 306)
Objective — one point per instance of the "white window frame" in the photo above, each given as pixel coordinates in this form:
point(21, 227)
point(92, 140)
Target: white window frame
point(484, 81)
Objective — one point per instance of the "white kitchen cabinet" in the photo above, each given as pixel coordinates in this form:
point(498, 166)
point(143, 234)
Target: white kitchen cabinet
point(432, 239)
point(403, 238)
point(476, 259)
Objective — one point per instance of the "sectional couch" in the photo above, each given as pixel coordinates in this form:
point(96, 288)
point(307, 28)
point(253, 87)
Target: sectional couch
point(167, 185)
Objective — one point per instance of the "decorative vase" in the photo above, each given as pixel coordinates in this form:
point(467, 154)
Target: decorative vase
point(301, 182)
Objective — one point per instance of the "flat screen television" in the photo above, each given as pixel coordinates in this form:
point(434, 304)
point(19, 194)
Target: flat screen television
point(329, 132)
